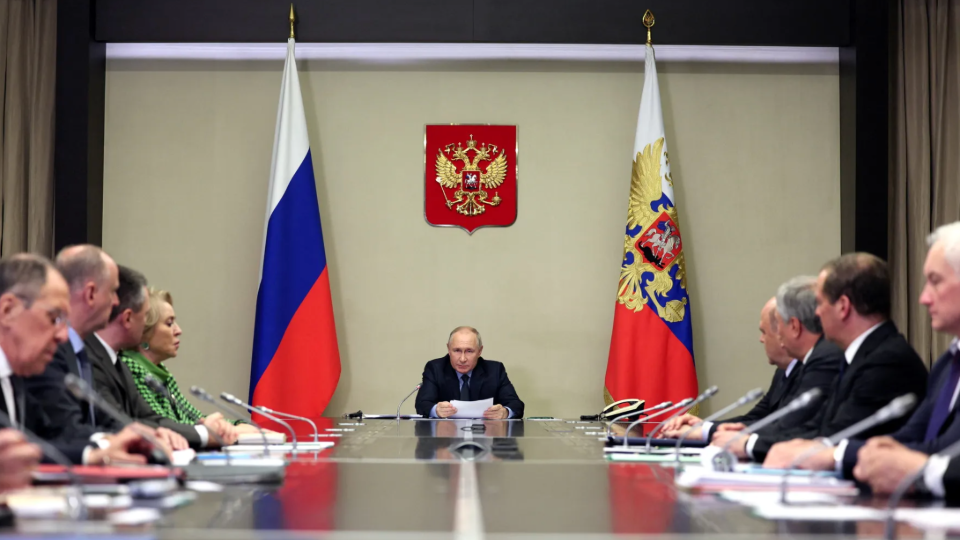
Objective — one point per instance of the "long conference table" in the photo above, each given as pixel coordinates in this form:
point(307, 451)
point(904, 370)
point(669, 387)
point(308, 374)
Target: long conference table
point(468, 479)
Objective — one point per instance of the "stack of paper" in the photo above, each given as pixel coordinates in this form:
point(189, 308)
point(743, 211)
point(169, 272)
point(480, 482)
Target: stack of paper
point(256, 438)
point(704, 480)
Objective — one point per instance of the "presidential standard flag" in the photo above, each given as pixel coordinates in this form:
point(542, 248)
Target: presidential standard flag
point(296, 362)
point(651, 351)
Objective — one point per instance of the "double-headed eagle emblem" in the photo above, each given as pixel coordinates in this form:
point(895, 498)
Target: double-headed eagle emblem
point(470, 182)
point(652, 252)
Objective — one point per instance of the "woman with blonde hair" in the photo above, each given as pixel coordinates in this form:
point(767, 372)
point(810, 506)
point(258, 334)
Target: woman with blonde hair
point(160, 342)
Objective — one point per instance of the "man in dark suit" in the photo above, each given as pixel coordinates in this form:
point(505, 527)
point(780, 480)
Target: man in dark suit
point(934, 426)
point(34, 306)
point(464, 375)
point(800, 334)
point(92, 276)
point(112, 378)
point(878, 365)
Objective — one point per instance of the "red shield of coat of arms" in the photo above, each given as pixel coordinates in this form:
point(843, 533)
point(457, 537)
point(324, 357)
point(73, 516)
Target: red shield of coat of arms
point(470, 175)
point(660, 242)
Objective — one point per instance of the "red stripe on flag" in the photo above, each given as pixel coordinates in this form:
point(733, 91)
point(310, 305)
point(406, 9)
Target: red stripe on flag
point(647, 361)
point(304, 372)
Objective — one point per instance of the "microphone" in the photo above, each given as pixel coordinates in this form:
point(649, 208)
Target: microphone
point(202, 394)
point(614, 418)
point(79, 388)
point(752, 395)
point(230, 398)
point(637, 422)
point(707, 394)
point(723, 460)
point(316, 432)
point(404, 399)
point(76, 506)
point(890, 531)
point(159, 388)
point(898, 407)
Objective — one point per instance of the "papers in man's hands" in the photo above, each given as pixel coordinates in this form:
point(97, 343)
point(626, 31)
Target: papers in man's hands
point(471, 409)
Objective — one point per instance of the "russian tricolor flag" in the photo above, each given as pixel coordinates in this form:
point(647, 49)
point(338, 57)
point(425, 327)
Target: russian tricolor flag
point(296, 361)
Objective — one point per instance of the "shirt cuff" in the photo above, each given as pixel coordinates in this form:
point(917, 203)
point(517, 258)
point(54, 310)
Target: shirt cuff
point(838, 454)
point(509, 412)
point(933, 474)
point(751, 442)
point(85, 460)
point(97, 436)
point(204, 435)
point(705, 430)
point(433, 412)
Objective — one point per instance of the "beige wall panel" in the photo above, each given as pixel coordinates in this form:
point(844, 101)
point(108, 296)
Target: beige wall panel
point(755, 156)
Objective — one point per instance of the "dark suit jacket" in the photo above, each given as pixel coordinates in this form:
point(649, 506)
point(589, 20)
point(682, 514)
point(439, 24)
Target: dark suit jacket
point(489, 380)
point(60, 406)
point(884, 367)
point(819, 371)
point(951, 480)
point(914, 431)
point(115, 383)
point(31, 415)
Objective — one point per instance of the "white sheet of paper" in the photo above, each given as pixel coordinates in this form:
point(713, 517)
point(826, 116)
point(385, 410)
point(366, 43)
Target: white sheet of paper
point(471, 409)
point(819, 513)
point(930, 518)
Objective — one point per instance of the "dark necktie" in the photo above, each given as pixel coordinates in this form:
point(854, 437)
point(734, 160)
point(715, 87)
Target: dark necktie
point(465, 388)
point(941, 409)
point(83, 363)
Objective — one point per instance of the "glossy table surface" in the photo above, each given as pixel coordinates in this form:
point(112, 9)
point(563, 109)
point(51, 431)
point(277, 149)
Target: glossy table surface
point(468, 479)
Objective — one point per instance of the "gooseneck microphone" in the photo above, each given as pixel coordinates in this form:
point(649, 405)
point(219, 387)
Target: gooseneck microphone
point(752, 395)
point(898, 407)
point(405, 399)
point(202, 394)
point(707, 394)
point(230, 398)
point(890, 531)
point(159, 388)
point(635, 423)
point(79, 388)
point(316, 432)
point(77, 507)
point(723, 460)
point(613, 418)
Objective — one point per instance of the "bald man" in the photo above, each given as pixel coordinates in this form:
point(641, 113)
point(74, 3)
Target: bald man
point(466, 376)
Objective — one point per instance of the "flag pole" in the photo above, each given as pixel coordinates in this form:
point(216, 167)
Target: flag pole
point(293, 19)
point(648, 21)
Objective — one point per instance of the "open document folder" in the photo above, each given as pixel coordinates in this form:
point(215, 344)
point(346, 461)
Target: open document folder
point(471, 409)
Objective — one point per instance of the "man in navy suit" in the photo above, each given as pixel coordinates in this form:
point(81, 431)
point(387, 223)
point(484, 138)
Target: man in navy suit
point(466, 376)
point(882, 462)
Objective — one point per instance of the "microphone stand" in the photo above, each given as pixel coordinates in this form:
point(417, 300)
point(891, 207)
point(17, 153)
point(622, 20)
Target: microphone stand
point(895, 409)
point(752, 395)
point(76, 506)
point(404, 399)
point(613, 418)
point(680, 405)
point(316, 432)
point(202, 394)
point(79, 388)
point(158, 387)
point(707, 394)
point(230, 398)
point(725, 460)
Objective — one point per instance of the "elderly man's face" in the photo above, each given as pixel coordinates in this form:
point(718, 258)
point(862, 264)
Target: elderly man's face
point(464, 351)
point(830, 314)
point(35, 332)
point(941, 293)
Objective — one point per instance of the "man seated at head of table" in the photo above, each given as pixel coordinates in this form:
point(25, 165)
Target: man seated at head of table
point(932, 425)
point(878, 365)
point(464, 375)
point(793, 341)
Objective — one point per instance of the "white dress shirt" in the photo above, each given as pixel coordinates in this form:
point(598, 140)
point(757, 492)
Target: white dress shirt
point(5, 373)
point(752, 441)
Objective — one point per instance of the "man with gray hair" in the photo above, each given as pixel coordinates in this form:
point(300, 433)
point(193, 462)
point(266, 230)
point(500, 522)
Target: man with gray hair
point(93, 278)
point(801, 335)
point(464, 375)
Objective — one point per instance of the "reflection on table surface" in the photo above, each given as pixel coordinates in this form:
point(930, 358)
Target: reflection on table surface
point(409, 479)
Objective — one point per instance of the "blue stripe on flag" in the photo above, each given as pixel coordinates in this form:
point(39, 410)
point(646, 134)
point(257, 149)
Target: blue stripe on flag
point(293, 259)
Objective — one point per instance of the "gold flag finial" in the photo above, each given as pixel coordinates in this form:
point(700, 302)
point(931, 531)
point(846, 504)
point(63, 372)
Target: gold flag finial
point(648, 21)
point(294, 18)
